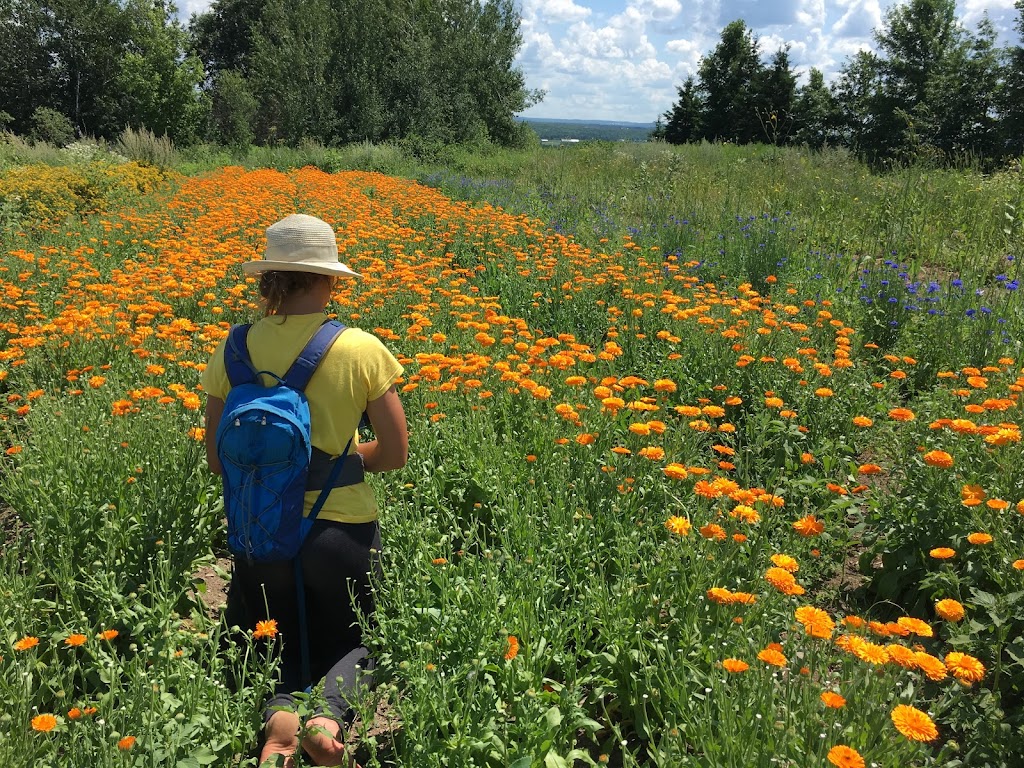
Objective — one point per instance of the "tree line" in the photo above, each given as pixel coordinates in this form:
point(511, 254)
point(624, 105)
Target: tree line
point(268, 71)
point(933, 87)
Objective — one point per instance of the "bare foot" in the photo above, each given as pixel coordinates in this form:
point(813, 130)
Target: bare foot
point(322, 744)
point(282, 739)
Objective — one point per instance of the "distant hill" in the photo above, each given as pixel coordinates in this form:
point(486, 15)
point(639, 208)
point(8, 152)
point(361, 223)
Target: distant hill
point(552, 130)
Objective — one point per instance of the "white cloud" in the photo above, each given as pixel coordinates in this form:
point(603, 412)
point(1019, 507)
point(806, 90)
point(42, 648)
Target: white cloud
point(811, 13)
point(558, 10)
point(657, 10)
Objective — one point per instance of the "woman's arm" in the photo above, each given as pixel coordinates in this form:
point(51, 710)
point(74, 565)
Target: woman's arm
point(391, 448)
point(214, 409)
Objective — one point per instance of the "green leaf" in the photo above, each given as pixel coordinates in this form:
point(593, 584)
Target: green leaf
point(553, 760)
point(553, 717)
point(522, 762)
point(984, 599)
point(204, 756)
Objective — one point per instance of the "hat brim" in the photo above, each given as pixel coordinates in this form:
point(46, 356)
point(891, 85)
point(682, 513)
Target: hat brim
point(268, 265)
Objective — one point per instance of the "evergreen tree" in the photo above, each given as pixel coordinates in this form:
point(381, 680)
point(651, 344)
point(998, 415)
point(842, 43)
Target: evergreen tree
point(814, 113)
point(682, 122)
point(775, 98)
point(727, 80)
point(858, 96)
point(920, 41)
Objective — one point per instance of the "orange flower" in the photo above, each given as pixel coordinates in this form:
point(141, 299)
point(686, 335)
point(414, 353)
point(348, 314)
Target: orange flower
point(817, 623)
point(678, 525)
point(675, 472)
point(265, 630)
point(843, 756)
point(44, 723)
point(808, 526)
point(712, 531)
point(26, 642)
point(913, 723)
point(939, 459)
point(773, 657)
point(862, 421)
point(513, 648)
point(869, 469)
point(832, 700)
point(74, 640)
point(108, 634)
point(126, 743)
point(950, 610)
point(74, 713)
point(965, 668)
point(783, 581)
point(932, 666)
point(735, 666)
point(901, 414)
point(979, 538)
point(942, 553)
point(786, 563)
point(915, 626)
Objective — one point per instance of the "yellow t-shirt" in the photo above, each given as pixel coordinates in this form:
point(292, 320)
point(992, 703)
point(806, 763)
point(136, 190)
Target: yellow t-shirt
point(356, 369)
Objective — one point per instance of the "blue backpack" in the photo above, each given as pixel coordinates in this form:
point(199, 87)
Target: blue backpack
point(268, 462)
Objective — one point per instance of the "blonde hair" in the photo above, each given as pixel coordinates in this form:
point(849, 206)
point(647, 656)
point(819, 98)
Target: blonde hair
point(275, 287)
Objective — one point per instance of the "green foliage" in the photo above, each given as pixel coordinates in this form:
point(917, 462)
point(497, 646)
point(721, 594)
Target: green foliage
point(51, 127)
point(728, 81)
point(159, 85)
point(932, 92)
point(378, 71)
point(232, 110)
point(144, 146)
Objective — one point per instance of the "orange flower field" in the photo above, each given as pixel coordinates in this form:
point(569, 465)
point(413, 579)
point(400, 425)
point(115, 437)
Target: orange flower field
point(665, 506)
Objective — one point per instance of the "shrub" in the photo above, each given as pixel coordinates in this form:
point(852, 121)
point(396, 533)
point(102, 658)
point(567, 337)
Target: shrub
point(146, 147)
point(51, 127)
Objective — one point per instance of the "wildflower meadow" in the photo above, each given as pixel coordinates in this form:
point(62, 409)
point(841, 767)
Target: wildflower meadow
point(713, 463)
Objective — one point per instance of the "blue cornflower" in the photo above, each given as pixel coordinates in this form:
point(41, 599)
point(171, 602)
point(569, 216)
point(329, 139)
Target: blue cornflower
point(957, 283)
point(1013, 285)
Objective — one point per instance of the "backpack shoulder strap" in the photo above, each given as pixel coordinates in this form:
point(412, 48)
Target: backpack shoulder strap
point(309, 358)
point(237, 362)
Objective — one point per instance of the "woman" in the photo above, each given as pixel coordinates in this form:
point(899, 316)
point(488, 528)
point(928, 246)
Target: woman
point(297, 275)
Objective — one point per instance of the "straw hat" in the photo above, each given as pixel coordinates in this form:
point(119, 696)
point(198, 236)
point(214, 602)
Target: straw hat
point(300, 243)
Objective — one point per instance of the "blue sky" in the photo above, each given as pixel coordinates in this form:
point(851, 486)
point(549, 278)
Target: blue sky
point(622, 59)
